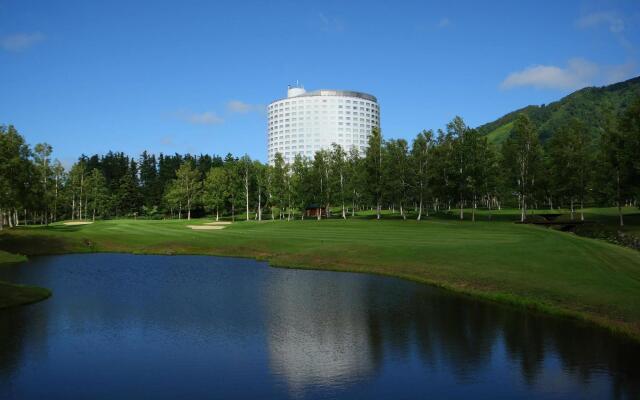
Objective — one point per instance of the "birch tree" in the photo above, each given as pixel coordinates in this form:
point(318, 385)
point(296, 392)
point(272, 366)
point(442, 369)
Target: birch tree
point(339, 173)
point(214, 191)
point(522, 159)
point(97, 192)
point(301, 183)
point(421, 157)
point(395, 173)
point(42, 154)
point(260, 172)
point(373, 168)
point(570, 160)
point(244, 169)
point(457, 130)
point(321, 168)
point(357, 179)
point(277, 184)
point(188, 185)
point(620, 167)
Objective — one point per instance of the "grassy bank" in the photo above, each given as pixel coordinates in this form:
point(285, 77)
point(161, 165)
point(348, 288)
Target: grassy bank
point(520, 264)
point(13, 294)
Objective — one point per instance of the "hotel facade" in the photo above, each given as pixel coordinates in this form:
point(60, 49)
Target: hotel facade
point(305, 122)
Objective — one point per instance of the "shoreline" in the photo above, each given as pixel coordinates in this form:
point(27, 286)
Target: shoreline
point(614, 327)
point(15, 294)
point(320, 258)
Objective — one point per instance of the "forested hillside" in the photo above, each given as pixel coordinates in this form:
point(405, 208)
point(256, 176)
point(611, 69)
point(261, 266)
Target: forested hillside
point(589, 105)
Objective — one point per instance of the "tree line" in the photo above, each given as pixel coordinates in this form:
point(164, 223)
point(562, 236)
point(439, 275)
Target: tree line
point(455, 169)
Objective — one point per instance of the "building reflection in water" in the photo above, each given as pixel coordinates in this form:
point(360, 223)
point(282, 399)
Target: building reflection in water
point(317, 331)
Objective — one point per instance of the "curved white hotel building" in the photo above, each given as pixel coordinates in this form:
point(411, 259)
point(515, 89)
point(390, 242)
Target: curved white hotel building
point(305, 122)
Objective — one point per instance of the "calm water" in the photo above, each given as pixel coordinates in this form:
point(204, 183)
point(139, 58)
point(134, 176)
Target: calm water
point(206, 327)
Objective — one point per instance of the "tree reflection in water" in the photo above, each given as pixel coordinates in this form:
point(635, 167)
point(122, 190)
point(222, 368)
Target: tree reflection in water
point(323, 332)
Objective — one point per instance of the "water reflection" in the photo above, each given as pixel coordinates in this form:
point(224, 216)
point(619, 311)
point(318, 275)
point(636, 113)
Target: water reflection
point(202, 327)
point(316, 330)
point(323, 332)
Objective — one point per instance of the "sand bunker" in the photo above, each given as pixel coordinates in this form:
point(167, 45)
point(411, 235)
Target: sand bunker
point(206, 227)
point(78, 223)
point(218, 223)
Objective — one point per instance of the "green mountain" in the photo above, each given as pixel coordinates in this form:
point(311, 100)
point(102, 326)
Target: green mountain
point(587, 105)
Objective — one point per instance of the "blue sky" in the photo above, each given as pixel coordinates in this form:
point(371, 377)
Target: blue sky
point(187, 76)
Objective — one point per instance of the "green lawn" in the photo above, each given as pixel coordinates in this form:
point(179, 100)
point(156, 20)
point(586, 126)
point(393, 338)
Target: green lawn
point(521, 264)
point(15, 295)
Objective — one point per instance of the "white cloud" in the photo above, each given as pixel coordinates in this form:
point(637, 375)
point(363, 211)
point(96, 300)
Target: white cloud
point(203, 118)
point(240, 107)
point(610, 18)
point(614, 21)
point(166, 140)
point(330, 24)
point(20, 41)
point(443, 23)
point(618, 73)
point(577, 74)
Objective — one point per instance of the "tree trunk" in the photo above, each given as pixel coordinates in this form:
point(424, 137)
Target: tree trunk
point(353, 205)
point(473, 209)
point(344, 213)
point(259, 211)
point(619, 197)
point(246, 191)
point(80, 198)
point(571, 205)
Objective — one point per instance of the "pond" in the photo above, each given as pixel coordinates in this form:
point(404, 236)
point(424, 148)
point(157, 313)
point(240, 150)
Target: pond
point(137, 326)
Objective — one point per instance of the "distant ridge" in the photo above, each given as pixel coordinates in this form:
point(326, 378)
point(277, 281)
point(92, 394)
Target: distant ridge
point(587, 105)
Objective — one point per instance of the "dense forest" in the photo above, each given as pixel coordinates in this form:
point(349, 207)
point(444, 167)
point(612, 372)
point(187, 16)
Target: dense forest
point(448, 170)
